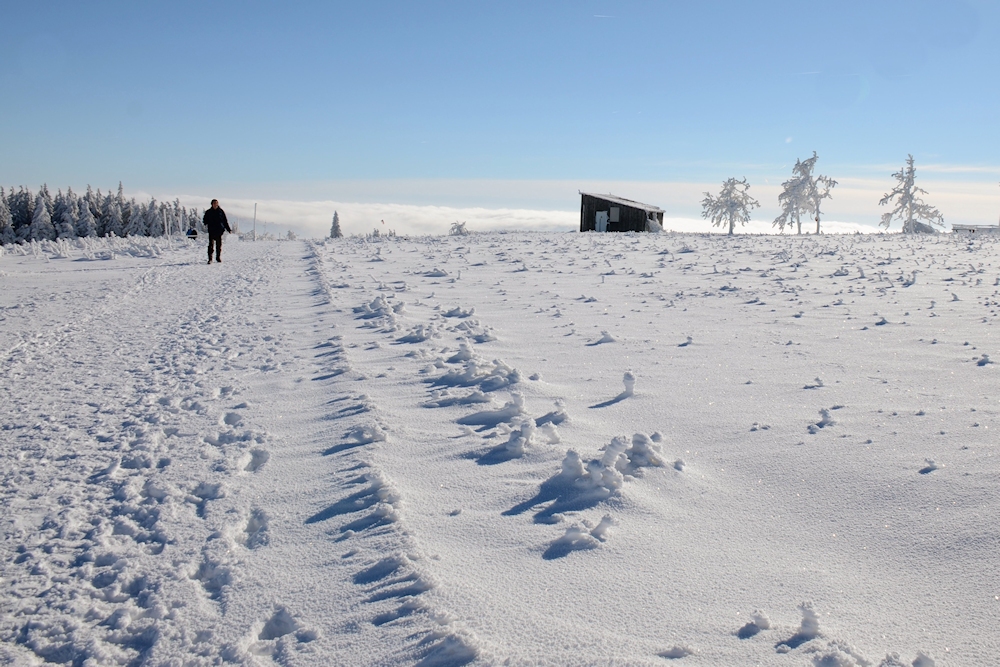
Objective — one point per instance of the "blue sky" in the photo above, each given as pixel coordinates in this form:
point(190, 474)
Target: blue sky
point(257, 99)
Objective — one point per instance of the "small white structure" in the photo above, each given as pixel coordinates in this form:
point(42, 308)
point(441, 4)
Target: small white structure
point(975, 230)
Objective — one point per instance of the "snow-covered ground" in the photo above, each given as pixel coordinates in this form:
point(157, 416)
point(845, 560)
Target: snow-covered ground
point(502, 449)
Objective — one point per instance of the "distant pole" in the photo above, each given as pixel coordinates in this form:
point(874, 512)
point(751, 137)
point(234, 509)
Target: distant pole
point(255, 221)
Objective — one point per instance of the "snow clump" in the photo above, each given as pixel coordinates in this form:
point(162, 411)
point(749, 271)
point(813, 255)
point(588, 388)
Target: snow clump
point(607, 474)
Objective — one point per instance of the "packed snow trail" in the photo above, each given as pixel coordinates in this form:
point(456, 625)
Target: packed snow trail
point(163, 423)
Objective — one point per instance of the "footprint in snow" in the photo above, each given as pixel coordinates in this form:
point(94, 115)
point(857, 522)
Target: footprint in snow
point(283, 623)
point(256, 530)
point(206, 491)
point(213, 577)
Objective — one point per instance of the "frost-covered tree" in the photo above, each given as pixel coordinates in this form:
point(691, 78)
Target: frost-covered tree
point(49, 203)
point(113, 222)
point(7, 235)
point(136, 225)
point(66, 215)
point(120, 197)
point(793, 203)
point(41, 222)
point(732, 205)
point(61, 204)
point(21, 204)
point(86, 225)
point(820, 191)
point(154, 219)
point(94, 201)
point(178, 217)
point(335, 231)
point(803, 194)
point(910, 208)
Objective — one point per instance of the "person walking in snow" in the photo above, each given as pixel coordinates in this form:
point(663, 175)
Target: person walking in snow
point(216, 223)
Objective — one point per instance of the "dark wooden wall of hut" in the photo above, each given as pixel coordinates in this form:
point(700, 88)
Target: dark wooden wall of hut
point(629, 219)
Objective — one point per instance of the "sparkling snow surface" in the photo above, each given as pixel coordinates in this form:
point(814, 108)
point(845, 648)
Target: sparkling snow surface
point(502, 449)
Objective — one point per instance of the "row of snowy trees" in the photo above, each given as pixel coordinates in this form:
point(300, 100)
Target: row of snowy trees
point(802, 195)
point(26, 217)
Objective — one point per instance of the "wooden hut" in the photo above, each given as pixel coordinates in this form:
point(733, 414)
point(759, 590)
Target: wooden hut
point(608, 213)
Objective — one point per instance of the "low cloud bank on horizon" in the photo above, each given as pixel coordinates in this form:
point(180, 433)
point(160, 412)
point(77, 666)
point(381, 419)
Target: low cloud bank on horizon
point(853, 208)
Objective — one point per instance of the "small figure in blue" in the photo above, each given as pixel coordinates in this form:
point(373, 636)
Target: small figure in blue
point(216, 223)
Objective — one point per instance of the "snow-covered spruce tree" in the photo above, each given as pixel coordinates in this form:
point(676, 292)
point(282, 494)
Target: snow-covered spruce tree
point(136, 225)
point(731, 206)
point(154, 220)
point(113, 221)
point(86, 225)
point(910, 208)
point(6, 227)
point(95, 203)
point(67, 212)
point(335, 231)
point(120, 197)
point(41, 222)
point(50, 205)
point(61, 204)
point(802, 194)
point(21, 204)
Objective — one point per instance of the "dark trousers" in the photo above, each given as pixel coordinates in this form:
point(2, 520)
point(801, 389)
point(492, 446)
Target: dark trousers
point(216, 242)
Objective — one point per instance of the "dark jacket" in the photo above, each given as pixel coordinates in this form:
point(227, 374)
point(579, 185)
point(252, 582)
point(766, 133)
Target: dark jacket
point(215, 222)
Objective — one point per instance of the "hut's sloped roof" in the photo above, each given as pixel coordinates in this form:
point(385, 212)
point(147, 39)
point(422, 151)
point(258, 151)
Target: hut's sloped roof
point(625, 202)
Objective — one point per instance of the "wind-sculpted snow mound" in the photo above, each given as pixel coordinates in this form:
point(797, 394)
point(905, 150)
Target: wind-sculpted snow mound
point(380, 314)
point(522, 437)
point(584, 484)
point(419, 334)
point(511, 410)
point(476, 331)
point(619, 459)
point(488, 376)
